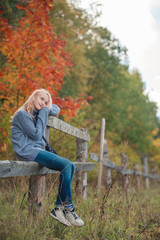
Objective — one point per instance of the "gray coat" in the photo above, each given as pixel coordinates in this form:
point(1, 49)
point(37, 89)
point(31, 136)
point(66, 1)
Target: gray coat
point(27, 132)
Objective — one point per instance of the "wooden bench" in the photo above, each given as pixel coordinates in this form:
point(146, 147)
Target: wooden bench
point(37, 173)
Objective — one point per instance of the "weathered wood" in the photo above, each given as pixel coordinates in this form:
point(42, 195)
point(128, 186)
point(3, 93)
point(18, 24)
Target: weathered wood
point(106, 162)
point(155, 169)
point(132, 172)
point(119, 169)
point(125, 176)
point(37, 172)
point(81, 177)
point(36, 193)
point(101, 156)
point(138, 183)
point(145, 170)
point(107, 170)
point(37, 188)
point(21, 168)
point(67, 128)
point(94, 157)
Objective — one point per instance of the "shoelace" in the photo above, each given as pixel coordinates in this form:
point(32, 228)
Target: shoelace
point(74, 214)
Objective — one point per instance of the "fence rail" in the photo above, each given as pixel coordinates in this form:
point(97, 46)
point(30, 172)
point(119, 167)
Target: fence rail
point(37, 173)
point(103, 159)
point(67, 128)
point(120, 169)
point(19, 168)
point(9, 168)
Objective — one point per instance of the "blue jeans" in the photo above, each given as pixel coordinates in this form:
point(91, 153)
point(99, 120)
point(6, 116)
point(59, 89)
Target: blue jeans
point(66, 168)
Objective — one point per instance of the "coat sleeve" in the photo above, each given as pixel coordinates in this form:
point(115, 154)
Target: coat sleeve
point(27, 125)
point(54, 111)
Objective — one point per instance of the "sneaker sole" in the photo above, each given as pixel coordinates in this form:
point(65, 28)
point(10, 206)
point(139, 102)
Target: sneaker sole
point(76, 224)
point(53, 216)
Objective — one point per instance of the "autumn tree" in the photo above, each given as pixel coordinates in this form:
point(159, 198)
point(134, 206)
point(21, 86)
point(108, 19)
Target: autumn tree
point(34, 50)
point(35, 58)
point(100, 69)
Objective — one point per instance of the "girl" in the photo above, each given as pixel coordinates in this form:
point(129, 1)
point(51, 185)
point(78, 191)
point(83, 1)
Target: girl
point(27, 131)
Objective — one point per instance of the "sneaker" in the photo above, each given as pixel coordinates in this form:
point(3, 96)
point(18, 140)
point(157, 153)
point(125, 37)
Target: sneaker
point(58, 214)
point(72, 217)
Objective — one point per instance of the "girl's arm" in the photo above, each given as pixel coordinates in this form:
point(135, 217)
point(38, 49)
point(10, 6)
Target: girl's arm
point(28, 126)
point(54, 111)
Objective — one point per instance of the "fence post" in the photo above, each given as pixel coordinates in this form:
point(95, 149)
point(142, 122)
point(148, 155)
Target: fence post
point(37, 188)
point(101, 156)
point(136, 169)
point(145, 170)
point(155, 170)
point(81, 177)
point(36, 193)
point(124, 168)
point(107, 170)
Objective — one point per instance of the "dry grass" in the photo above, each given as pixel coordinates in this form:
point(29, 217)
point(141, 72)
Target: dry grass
point(114, 215)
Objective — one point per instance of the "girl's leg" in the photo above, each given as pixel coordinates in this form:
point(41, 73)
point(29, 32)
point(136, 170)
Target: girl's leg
point(65, 215)
point(66, 168)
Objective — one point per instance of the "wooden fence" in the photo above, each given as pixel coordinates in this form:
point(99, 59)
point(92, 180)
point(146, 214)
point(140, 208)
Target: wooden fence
point(37, 173)
point(103, 159)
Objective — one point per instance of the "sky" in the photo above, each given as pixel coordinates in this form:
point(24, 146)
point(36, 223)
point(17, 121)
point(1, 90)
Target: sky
point(136, 23)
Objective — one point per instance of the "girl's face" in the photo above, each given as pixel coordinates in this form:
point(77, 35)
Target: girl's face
point(41, 100)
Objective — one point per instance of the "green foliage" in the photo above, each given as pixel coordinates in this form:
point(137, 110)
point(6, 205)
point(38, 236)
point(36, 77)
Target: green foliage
point(99, 69)
point(73, 23)
point(10, 11)
point(116, 151)
point(118, 95)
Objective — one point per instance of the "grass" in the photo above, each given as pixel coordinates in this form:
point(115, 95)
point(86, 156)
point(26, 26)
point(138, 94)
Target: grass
point(114, 215)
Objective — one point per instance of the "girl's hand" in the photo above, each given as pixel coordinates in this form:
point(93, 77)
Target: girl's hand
point(54, 111)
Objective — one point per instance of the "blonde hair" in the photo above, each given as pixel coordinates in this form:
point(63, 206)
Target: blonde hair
point(28, 105)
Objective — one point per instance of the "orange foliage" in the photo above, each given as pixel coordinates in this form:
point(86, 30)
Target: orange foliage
point(155, 131)
point(35, 58)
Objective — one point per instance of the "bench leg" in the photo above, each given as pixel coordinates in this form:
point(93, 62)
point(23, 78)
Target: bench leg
point(36, 193)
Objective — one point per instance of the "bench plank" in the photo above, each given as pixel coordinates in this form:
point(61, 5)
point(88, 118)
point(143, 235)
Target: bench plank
point(67, 128)
point(21, 168)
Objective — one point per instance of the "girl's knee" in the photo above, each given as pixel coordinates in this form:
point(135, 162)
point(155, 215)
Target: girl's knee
point(73, 168)
point(70, 167)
